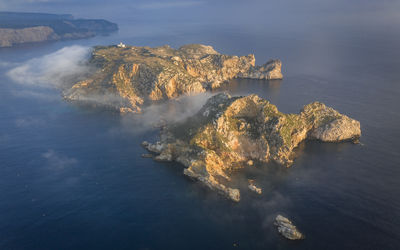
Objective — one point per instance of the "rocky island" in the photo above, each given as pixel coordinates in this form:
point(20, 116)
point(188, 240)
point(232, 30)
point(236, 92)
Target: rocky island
point(228, 133)
point(19, 28)
point(287, 229)
point(231, 133)
point(126, 78)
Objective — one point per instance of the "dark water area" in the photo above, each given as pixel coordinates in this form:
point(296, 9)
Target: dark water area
point(73, 177)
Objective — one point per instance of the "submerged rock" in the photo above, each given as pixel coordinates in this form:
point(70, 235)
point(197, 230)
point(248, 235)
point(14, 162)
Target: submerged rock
point(229, 132)
point(126, 78)
point(287, 229)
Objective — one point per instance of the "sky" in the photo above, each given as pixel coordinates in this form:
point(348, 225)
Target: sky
point(385, 11)
point(284, 17)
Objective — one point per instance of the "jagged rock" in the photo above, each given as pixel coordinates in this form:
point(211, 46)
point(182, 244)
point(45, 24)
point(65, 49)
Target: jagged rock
point(229, 132)
point(287, 229)
point(254, 188)
point(130, 77)
point(270, 70)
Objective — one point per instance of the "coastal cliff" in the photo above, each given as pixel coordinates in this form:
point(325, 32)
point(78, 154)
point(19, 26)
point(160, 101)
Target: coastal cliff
point(230, 133)
point(9, 37)
point(19, 28)
point(128, 77)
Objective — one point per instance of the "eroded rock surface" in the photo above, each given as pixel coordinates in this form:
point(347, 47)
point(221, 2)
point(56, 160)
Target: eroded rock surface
point(287, 229)
point(127, 78)
point(252, 186)
point(229, 132)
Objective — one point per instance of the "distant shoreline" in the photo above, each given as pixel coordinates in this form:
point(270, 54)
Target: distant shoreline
point(20, 28)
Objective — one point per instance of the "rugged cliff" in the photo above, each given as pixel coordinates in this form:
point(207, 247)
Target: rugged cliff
point(229, 133)
point(128, 77)
point(19, 28)
point(9, 37)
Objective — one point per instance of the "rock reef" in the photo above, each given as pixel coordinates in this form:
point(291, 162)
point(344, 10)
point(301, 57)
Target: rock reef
point(128, 77)
point(229, 133)
point(287, 229)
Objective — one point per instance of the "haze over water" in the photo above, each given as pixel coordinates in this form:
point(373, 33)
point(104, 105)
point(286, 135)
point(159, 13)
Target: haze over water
point(73, 177)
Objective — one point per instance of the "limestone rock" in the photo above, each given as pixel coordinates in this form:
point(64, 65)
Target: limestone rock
point(254, 188)
point(128, 78)
point(268, 71)
point(229, 133)
point(287, 229)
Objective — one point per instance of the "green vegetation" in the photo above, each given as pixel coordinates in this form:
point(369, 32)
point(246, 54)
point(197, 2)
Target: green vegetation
point(292, 124)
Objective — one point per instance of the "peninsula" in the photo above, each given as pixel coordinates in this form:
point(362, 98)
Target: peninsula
point(19, 28)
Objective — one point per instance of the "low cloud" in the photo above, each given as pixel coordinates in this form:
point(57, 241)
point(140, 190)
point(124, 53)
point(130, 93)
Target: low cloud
point(175, 110)
point(172, 111)
point(4, 64)
point(56, 70)
point(36, 94)
point(277, 203)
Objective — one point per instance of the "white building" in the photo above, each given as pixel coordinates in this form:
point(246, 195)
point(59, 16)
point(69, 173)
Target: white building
point(121, 45)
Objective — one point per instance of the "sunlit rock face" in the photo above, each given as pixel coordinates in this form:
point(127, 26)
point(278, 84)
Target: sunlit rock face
point(229, 133)
point(287, 229)
point(126, 78)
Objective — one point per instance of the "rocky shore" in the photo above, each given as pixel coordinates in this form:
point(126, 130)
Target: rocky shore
point(128, 77)
point(231, 133)
point(287, 229)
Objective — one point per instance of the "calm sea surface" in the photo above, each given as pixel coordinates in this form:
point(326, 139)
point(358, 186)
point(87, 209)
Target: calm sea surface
point(73, 177)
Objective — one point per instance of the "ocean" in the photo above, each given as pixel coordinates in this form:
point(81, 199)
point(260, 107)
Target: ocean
point(72, 177)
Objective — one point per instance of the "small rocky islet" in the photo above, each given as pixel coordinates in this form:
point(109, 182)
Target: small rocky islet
point(287, 229)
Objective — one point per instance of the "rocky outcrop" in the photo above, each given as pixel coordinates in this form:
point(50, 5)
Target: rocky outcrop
point(229, 133)
point(269, 71)
point(287, 229)
point(128, 77)
point(252, 186)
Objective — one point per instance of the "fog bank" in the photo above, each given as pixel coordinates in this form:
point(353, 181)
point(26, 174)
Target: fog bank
point(55, 70)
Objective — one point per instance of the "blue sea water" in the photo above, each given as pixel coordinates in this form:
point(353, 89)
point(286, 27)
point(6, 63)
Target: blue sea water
point(73, 177)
